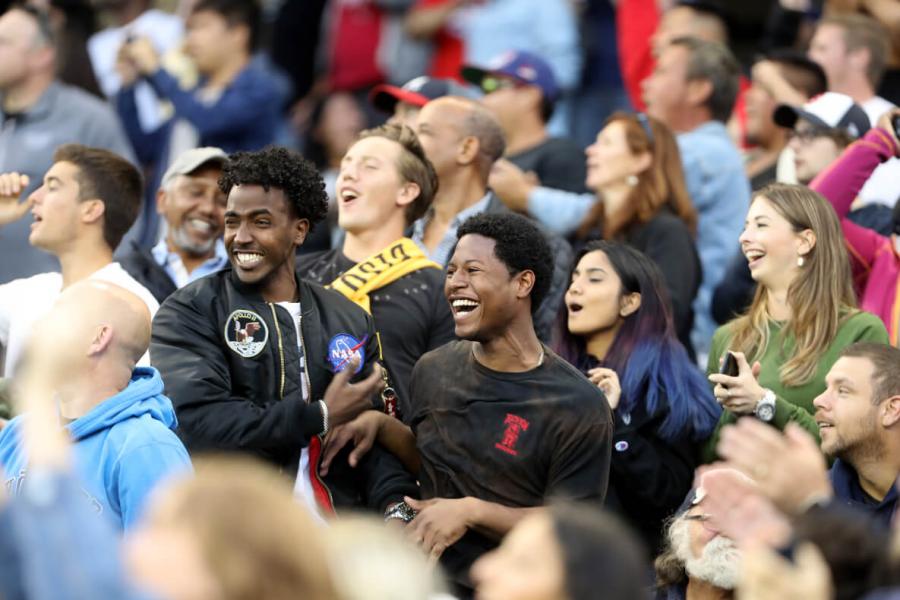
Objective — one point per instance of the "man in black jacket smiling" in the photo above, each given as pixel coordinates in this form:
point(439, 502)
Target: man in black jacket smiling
point(257, 360)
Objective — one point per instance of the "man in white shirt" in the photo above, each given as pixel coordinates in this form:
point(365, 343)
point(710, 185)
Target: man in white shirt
point(853, 50)
point(88, 200)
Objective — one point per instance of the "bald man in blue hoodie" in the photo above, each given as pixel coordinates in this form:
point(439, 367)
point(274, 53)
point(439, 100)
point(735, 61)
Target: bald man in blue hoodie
point(116, 414)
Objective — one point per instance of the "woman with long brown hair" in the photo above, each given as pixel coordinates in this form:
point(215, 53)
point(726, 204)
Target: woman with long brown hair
point(803, 313)
point(635, 169)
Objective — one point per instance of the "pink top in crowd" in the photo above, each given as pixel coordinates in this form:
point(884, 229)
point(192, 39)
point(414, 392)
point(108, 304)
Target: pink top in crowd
point(876, 264)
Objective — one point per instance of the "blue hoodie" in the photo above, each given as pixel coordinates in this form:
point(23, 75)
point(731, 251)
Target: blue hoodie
point(123, 447)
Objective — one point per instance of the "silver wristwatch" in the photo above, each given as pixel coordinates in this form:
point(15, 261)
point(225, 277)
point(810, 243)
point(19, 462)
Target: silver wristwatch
point(765, 408)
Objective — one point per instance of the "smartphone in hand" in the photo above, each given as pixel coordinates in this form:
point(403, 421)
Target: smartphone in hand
point(729, 365)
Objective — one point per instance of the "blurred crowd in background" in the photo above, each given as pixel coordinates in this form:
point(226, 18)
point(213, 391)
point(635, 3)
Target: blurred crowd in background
point(567, 299)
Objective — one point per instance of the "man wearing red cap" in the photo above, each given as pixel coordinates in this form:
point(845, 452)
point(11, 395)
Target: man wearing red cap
point(404, 103)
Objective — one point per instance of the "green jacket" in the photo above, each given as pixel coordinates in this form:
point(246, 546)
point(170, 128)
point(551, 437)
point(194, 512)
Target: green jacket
point(793, 403)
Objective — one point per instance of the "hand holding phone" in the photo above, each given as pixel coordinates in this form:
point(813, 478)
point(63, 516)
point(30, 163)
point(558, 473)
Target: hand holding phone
point(729, 365)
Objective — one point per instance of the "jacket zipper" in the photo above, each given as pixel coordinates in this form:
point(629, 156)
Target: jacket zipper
point(309, 394)
point(280, 350)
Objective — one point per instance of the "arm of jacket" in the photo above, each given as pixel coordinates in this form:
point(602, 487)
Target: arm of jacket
point(841, 181)
point(559, 211)
point(148, 146)
point(248, 98)
point(546, 315)
point(649, 469)
point(735, 292)
point(58, 533)
point(187, 350)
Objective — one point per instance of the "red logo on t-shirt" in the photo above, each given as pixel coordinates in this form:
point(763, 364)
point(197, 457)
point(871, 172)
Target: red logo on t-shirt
point(514, 426)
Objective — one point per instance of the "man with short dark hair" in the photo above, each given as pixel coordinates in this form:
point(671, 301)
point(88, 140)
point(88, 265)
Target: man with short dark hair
point(521, 91)
point(384, 185)
point(464, 141)
point(859, 425)
point(193, 206)
point(39, 113)
point(89, 199)
point(501, 424)
point(258, 360)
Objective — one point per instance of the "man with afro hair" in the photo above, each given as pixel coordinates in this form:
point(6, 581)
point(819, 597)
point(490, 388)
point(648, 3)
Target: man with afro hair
point(259, 361)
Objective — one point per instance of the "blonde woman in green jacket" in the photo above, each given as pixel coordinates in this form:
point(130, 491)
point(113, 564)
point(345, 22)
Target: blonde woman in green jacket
point(803, 314)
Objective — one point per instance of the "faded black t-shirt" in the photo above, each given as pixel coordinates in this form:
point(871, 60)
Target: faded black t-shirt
point(515, 439)
point(411, 315)
point(558, 162)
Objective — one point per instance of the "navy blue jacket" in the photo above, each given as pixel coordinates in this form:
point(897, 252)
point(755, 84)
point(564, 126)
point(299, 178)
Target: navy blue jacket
point(847, 491)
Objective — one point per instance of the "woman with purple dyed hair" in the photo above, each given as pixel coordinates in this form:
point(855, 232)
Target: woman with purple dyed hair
point(619, 332)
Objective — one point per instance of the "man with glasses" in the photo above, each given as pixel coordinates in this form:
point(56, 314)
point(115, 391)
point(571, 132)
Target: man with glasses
point(38, 114)
point(521, 91)
point(820, 130)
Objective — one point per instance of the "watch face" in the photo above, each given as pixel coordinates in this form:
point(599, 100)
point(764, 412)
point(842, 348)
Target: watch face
point(765, 412)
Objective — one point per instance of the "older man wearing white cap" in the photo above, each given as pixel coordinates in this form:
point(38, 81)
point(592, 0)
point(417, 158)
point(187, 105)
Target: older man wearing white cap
point(192, 206)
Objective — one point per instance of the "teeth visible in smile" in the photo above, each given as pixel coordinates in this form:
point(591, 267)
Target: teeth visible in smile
point(822, 424)
point(754, 254)
point(462, 303)
point(247, 258)
point(200, 225)
point(348, 195)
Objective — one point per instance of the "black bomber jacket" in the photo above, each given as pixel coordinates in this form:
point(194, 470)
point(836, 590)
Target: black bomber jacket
point(231, 365)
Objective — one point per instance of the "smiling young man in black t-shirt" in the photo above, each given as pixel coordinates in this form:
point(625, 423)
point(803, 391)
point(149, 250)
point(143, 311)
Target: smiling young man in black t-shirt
point(385, 184)
point(501, 423)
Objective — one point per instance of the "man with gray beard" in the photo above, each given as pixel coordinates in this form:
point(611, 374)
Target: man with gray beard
point(698, 563)
point(193, 207)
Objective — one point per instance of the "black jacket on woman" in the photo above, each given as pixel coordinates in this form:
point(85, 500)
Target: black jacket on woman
point(666, 240)
point(649, 477)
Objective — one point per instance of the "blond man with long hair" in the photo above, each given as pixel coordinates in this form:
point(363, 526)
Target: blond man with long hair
point(803, 314)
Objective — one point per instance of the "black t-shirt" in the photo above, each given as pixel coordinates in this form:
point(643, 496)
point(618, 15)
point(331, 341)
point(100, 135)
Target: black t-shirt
point(411, 315)
point(558, 162)
point(515, 439)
